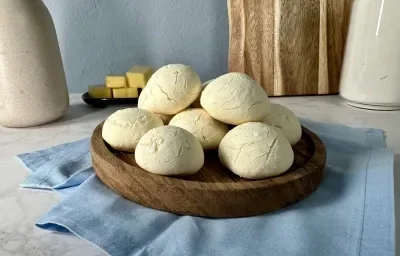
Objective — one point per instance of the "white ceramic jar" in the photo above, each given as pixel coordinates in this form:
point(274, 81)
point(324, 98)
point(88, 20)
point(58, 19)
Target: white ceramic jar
point(371, 69)
point(33, 89)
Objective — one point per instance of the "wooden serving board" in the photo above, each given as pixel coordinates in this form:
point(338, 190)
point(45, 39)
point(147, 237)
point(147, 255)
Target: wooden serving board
point(214, 191)
point(291, 47)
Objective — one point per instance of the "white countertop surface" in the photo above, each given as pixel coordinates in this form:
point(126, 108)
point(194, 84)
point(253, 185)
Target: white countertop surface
point(20, 208)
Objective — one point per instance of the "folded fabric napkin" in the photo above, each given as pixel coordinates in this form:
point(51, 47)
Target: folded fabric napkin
point(351, 213)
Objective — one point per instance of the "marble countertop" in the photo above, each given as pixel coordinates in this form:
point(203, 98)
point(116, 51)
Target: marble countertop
point(20, 208)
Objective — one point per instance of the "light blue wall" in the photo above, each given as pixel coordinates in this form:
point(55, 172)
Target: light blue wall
point(100, 37)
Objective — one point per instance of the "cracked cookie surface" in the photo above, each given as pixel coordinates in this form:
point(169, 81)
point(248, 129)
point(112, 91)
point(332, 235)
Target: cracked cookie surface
point(208, 131)
point(170, 89)
point(123, 129)
point(169, 150)
point(255, 151)
point(283, 118)
point(235, 98)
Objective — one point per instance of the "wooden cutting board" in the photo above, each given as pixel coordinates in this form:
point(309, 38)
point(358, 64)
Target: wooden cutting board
point(214, 191)
point(291, 47)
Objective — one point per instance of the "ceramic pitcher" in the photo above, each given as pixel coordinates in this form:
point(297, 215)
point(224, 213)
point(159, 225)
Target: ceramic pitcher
point(371, 70)
point(33, 88)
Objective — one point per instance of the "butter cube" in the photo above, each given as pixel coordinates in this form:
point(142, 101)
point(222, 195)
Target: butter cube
point(125, 92)
point(99, 91)
point(115, 81)
point(138, 76)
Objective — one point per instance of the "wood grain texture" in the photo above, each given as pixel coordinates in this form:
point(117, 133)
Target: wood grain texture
point(291, 47)
point(338, 19)
point(323, 73)
point(214, 191)
point(299, 46)
point(260, 59)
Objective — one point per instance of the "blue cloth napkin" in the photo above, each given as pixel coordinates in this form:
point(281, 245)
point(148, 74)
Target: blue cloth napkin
point(351, 213)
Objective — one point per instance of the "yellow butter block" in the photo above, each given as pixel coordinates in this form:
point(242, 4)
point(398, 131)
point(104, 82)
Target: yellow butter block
point(115, 81)
point(99, 91)
point(138, 76)
point(125, 92)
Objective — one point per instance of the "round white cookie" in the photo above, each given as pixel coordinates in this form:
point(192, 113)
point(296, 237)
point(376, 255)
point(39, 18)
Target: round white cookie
point(235, 99)
point(196, 103)
point(208, 131)
point(255, 151)
point(283, 118)
point(169, 150)
point(170, 89)
point(123, 129)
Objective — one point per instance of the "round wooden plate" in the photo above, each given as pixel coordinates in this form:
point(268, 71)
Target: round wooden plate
point(214, 191)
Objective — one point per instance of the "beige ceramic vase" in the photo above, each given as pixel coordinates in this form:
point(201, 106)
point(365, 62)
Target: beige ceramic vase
point(33, 89)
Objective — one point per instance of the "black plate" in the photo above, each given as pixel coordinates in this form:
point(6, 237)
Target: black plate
point(104, 102)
